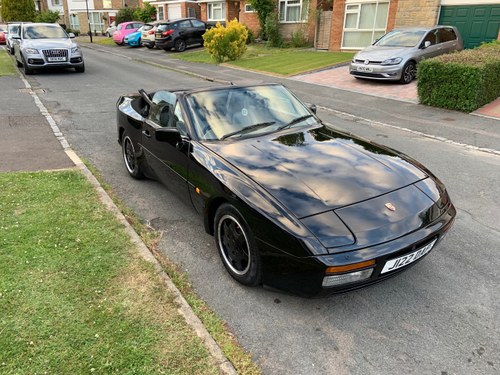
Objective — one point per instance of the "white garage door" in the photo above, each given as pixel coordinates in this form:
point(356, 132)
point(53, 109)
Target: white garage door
point(174, 11)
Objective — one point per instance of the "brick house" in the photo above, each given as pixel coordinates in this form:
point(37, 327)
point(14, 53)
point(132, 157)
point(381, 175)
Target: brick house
point(175, 9)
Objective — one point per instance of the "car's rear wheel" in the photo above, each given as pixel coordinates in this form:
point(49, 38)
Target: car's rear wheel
point(180, 45)
point(130, 157)
point(409, 72)
point(236, 246)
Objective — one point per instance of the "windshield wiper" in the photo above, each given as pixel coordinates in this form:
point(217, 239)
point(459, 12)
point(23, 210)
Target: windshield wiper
point(247, 129)
point(295, 121)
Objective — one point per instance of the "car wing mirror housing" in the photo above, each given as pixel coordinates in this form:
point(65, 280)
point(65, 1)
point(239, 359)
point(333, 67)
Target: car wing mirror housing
point(169, 135)
point(426, 44)
point(71, 35)
point(313, 108)
point(16, 36)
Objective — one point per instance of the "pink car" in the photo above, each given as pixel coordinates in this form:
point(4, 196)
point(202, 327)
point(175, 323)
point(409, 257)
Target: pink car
point(124, 29)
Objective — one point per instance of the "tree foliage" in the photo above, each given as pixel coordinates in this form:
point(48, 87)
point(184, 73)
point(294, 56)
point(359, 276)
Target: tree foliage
point(47, 16)
point(226, 41)
point(18, 10)
point(263, 9)
point(145, 14)
point(125, 15)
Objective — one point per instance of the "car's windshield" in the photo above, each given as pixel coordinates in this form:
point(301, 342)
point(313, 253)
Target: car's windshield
point(245, 111)
point(399, 38)
point(44, 32)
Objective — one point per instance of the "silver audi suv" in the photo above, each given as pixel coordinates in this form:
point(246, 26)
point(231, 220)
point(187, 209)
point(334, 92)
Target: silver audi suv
point(46, 45)
point(395, 55)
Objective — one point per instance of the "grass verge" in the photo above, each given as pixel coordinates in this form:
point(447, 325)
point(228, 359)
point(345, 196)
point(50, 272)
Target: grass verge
point(241, 360)
point(97, 39)
point(281, 61)
point(74, 295)
point(6, 66)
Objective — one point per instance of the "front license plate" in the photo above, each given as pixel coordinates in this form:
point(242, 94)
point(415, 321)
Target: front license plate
point(53, 59)
point(394, 264)
point(364, 69)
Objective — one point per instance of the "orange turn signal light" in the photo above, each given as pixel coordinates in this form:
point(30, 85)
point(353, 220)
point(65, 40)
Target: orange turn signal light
point(350, 267)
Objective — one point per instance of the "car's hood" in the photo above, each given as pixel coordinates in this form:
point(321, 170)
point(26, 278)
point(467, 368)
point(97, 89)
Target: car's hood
point(312, 171)
point(376, 53)
point(47, 43)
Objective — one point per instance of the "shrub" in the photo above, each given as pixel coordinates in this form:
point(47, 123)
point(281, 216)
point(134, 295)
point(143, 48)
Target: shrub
point(250, 37)
point(74, 31)
point(299, 39)
point(226, 41)
point(464, 81)
point(47, 16)
point(125, 15)
point(272, 27)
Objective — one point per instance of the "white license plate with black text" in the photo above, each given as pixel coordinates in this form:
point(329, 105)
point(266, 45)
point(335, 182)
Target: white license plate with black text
point(59, 58)
point(396, 263)
point(364, 69)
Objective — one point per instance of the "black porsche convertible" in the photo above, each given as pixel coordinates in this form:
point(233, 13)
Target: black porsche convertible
point(292, 203)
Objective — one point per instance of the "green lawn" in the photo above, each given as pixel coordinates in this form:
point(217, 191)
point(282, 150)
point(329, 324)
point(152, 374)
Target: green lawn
point(282, 61)
point(6, 66)
point(97, 39)
point(74, 296)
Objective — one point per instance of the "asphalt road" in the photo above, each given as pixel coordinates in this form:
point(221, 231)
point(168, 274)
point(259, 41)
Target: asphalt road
point(440, 317)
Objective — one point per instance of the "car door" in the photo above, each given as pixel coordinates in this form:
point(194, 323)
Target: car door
point(199, 29)
point(165, 144)
point(433, 49)
point(186, 31)
point(447, 38)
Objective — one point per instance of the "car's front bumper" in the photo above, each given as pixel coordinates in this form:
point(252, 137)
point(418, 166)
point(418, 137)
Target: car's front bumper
point(40, 61)
point(305, 276)
point(376, 71)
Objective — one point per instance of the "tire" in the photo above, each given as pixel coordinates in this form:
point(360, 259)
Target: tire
point(27, 70)
point(236, 246)
point(149, 46)
point(19, 64)
point(180, 45)
point(132, 164)
point(80, 69)
point(108, 35)
point(409, 73)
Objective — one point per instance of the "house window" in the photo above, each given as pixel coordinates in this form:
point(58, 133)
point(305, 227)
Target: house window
point(56, 2)
point(191, 13)
point(216, 11)
point(96, 22)
point(106, 4)
point(363, 23)
point(293, 11)
point(74, 22)
point(249, 8)
point(161, 14)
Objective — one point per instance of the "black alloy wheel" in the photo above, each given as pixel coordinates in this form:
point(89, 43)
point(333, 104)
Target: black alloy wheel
point(236, 246)
point(130, 158)
point(409, 72)
point(180, 45)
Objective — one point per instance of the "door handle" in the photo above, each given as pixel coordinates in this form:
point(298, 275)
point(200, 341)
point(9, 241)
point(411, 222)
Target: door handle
point(146, 133)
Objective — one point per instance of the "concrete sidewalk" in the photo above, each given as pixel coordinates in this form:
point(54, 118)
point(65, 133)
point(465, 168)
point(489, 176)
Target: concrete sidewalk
point(27, 142)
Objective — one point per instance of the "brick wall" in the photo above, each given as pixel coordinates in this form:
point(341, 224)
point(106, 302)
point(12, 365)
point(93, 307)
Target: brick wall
point(250, 20)
point(337, 25)
point(417, 13)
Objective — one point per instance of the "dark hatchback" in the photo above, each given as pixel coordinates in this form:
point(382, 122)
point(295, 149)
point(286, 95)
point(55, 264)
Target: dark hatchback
point(292, 203)
point(180, 34)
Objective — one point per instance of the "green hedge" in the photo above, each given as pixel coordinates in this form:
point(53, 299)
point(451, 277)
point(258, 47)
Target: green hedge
point(464, 81)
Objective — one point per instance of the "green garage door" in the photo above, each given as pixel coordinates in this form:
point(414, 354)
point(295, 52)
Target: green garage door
point(476, 23)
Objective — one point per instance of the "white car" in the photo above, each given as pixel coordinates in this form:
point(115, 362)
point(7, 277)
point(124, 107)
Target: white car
point(148, 34)
point(110, 30)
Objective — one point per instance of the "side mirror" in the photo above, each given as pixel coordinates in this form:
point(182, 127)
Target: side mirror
point(71, 35)
point(16, 36)
point(313, 108)
point(169, 135)
point(426, 44)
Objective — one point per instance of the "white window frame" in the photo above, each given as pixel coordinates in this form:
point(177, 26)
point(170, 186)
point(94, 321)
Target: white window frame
point(74, 22)
point(107, 4)
point(99, 26)
point(249, 8)
point(217, 6)
point(357, 10)
point(160, 16)
point(300, 5)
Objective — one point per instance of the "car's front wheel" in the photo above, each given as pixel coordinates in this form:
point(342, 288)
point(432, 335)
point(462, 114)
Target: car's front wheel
point(26, 68)
point(409, 72)
point(180, 45)
point(80, 69)
point(236, 246)
point(130, 157)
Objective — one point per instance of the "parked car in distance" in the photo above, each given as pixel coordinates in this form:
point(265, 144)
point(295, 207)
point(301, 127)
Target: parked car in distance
point(46, 45)
point(134, 39)
point(110, 30)
point(180, 33)
point(125, 28)
point(396, 54)
point(3, 34)
point(292, 203)
point(12, 29)
point(148, 34)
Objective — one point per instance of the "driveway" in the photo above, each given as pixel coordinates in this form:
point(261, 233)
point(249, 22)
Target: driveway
point(340, 78)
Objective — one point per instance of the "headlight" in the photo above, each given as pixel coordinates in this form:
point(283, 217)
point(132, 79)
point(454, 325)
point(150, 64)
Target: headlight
point(393, 61)
point(75, 49)
point(31, 51)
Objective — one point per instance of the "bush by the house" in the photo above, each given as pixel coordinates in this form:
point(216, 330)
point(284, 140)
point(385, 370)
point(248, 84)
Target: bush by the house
point(464, 81)
point(226, 41)
point(47, 16)
point(272, 27)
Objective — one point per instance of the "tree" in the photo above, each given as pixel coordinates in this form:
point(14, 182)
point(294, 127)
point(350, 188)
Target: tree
point(125, 15)
point(47, 16)
point(18, 10)
point(145, 14)
point(263, 8)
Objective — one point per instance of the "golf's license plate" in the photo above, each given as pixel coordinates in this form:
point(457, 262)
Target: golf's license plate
point(364, 69)
point(394, 264)
point(60, 58)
